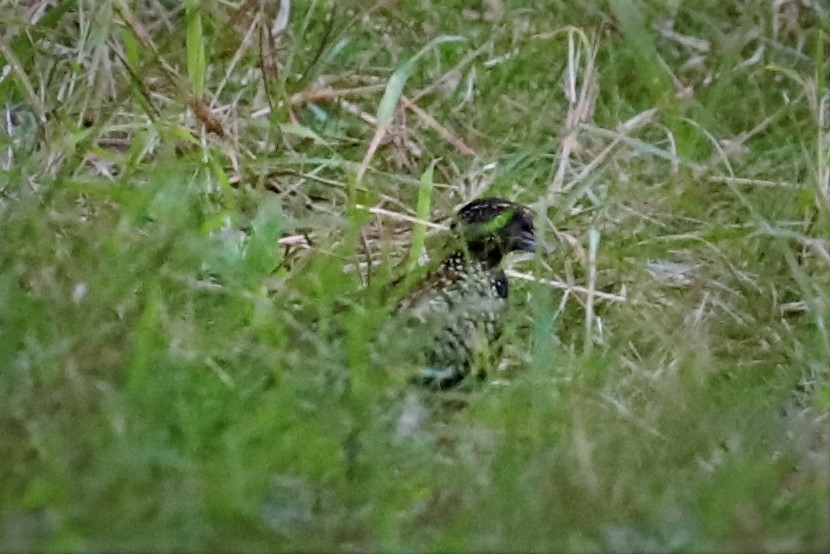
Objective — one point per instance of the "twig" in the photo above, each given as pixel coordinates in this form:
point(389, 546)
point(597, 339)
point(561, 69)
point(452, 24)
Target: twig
point(431, 122)
point(330, 93)
point(566, 287)
point(725, 179)
point(400, 217)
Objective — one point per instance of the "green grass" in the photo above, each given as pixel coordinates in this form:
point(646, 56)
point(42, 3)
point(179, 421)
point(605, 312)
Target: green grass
point(177, 373)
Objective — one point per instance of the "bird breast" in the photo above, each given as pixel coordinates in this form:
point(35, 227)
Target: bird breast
point(473, 297)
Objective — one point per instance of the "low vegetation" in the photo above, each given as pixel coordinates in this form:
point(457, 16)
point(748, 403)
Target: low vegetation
point(200, 201)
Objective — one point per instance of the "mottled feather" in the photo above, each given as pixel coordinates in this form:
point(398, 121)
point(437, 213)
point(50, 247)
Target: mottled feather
point(461, 304)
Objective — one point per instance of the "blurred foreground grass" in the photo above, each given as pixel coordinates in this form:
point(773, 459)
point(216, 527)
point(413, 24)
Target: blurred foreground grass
point(178, 371)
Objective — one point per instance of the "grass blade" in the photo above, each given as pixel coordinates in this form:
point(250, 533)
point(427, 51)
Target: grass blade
point(194, 38)
point(422, 212)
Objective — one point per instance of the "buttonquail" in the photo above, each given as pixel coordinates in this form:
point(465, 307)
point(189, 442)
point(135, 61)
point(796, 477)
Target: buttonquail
point(462, 302)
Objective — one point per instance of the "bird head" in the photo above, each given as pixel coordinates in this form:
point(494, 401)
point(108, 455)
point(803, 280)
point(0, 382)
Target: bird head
point(494, 227)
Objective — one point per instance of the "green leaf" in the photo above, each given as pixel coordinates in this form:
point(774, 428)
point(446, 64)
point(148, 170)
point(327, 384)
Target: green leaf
point(263, 252)
point(422, 212)
point(394, 88)
point(301, 131)
point(131, 49)
point(194, 38)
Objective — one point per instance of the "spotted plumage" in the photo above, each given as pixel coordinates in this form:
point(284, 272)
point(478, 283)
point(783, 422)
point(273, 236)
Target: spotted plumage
point(461, 304)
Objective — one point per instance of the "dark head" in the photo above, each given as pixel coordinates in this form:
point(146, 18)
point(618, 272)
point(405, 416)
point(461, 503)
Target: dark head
point(493, 227)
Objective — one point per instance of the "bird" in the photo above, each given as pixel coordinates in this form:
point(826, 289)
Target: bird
point(460, 305)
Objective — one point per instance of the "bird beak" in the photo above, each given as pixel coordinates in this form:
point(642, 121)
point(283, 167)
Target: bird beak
point(527, 242)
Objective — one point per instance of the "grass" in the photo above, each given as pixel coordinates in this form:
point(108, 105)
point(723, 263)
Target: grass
point(198, 205)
